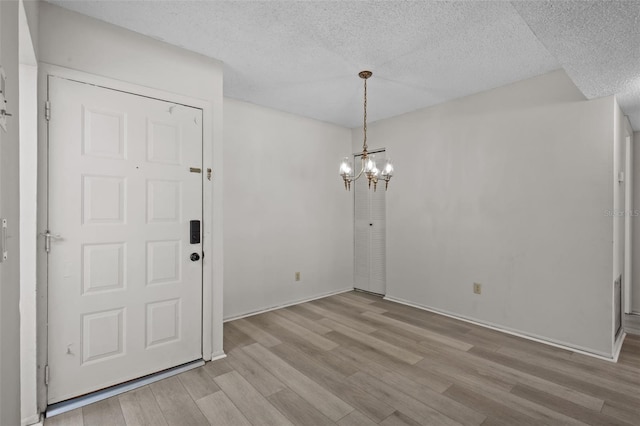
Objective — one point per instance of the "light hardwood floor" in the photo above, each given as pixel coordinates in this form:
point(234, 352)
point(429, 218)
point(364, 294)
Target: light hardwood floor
point(354, 359)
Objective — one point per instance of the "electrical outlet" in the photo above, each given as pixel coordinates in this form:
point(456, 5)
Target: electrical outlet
point(297, 276)
point(477, 288)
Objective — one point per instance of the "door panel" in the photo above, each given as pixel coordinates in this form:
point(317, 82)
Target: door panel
point(378, 245)
point(125, 300)
point(362, 238)
point(369, 236)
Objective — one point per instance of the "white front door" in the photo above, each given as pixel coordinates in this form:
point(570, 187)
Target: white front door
point(124, 295)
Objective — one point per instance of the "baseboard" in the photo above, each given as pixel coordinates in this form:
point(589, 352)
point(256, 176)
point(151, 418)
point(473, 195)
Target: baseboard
point(617, 345)
point(506, 330)
point(631, 324)
point(218, 355)
point(284, 305)
point(35, 420)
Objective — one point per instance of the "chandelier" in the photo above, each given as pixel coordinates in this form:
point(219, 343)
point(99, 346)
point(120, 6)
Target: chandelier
point(369, 168)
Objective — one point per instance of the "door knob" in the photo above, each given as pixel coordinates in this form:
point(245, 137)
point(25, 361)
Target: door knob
point(195, 257)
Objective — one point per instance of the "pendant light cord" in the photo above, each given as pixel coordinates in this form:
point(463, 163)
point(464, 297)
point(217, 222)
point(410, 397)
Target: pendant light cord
point(364, 144)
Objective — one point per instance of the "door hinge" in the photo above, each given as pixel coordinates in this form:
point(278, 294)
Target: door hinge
point(46, 374)
point(47, 239)
point(4, 252)
point(47, 110)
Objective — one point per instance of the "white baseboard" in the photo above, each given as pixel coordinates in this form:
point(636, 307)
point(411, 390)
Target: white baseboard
point(631, 324)
point(617, 346)
point(284, 305)
point(218, 355)
point(518, 333)
point(35, 420)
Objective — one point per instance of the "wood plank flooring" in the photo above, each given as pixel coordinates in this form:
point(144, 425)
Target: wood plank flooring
point(355, 359)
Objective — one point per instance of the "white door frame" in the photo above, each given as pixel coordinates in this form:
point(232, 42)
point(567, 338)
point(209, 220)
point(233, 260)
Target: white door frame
point(628, 235)
point(46, 70)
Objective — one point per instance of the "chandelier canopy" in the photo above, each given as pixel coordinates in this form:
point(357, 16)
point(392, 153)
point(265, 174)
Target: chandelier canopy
point(368, 168)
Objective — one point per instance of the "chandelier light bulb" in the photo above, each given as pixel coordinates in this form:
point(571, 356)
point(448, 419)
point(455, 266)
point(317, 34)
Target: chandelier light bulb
point(370, 165)
point(346, 167)
point(387, 169)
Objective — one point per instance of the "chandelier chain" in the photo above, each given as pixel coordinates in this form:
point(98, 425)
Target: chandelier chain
point(364, 144)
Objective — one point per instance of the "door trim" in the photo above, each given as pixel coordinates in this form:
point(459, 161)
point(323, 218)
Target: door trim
point(627, 287)
point(211, 259)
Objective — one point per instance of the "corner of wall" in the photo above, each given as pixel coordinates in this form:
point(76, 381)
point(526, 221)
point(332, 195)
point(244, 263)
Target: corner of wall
point(31, 10)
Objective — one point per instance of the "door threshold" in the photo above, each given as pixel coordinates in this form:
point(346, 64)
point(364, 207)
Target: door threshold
point(90, 398)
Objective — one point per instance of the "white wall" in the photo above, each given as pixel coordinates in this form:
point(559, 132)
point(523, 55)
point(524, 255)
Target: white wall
point(74, 41)
point(28, 230)
point(28, 241)
point(9, 209)
point(30, 10)
point(507, 188)
point(285, 209)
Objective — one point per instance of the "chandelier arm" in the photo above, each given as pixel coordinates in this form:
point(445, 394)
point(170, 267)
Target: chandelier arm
point(361, 169)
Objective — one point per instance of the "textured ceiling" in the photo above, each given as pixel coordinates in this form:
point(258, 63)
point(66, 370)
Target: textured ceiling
point(303, 56)
point(596, 42)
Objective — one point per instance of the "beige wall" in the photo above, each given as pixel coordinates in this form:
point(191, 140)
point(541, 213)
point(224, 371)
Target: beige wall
point(285, 209)
point(507, 188)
